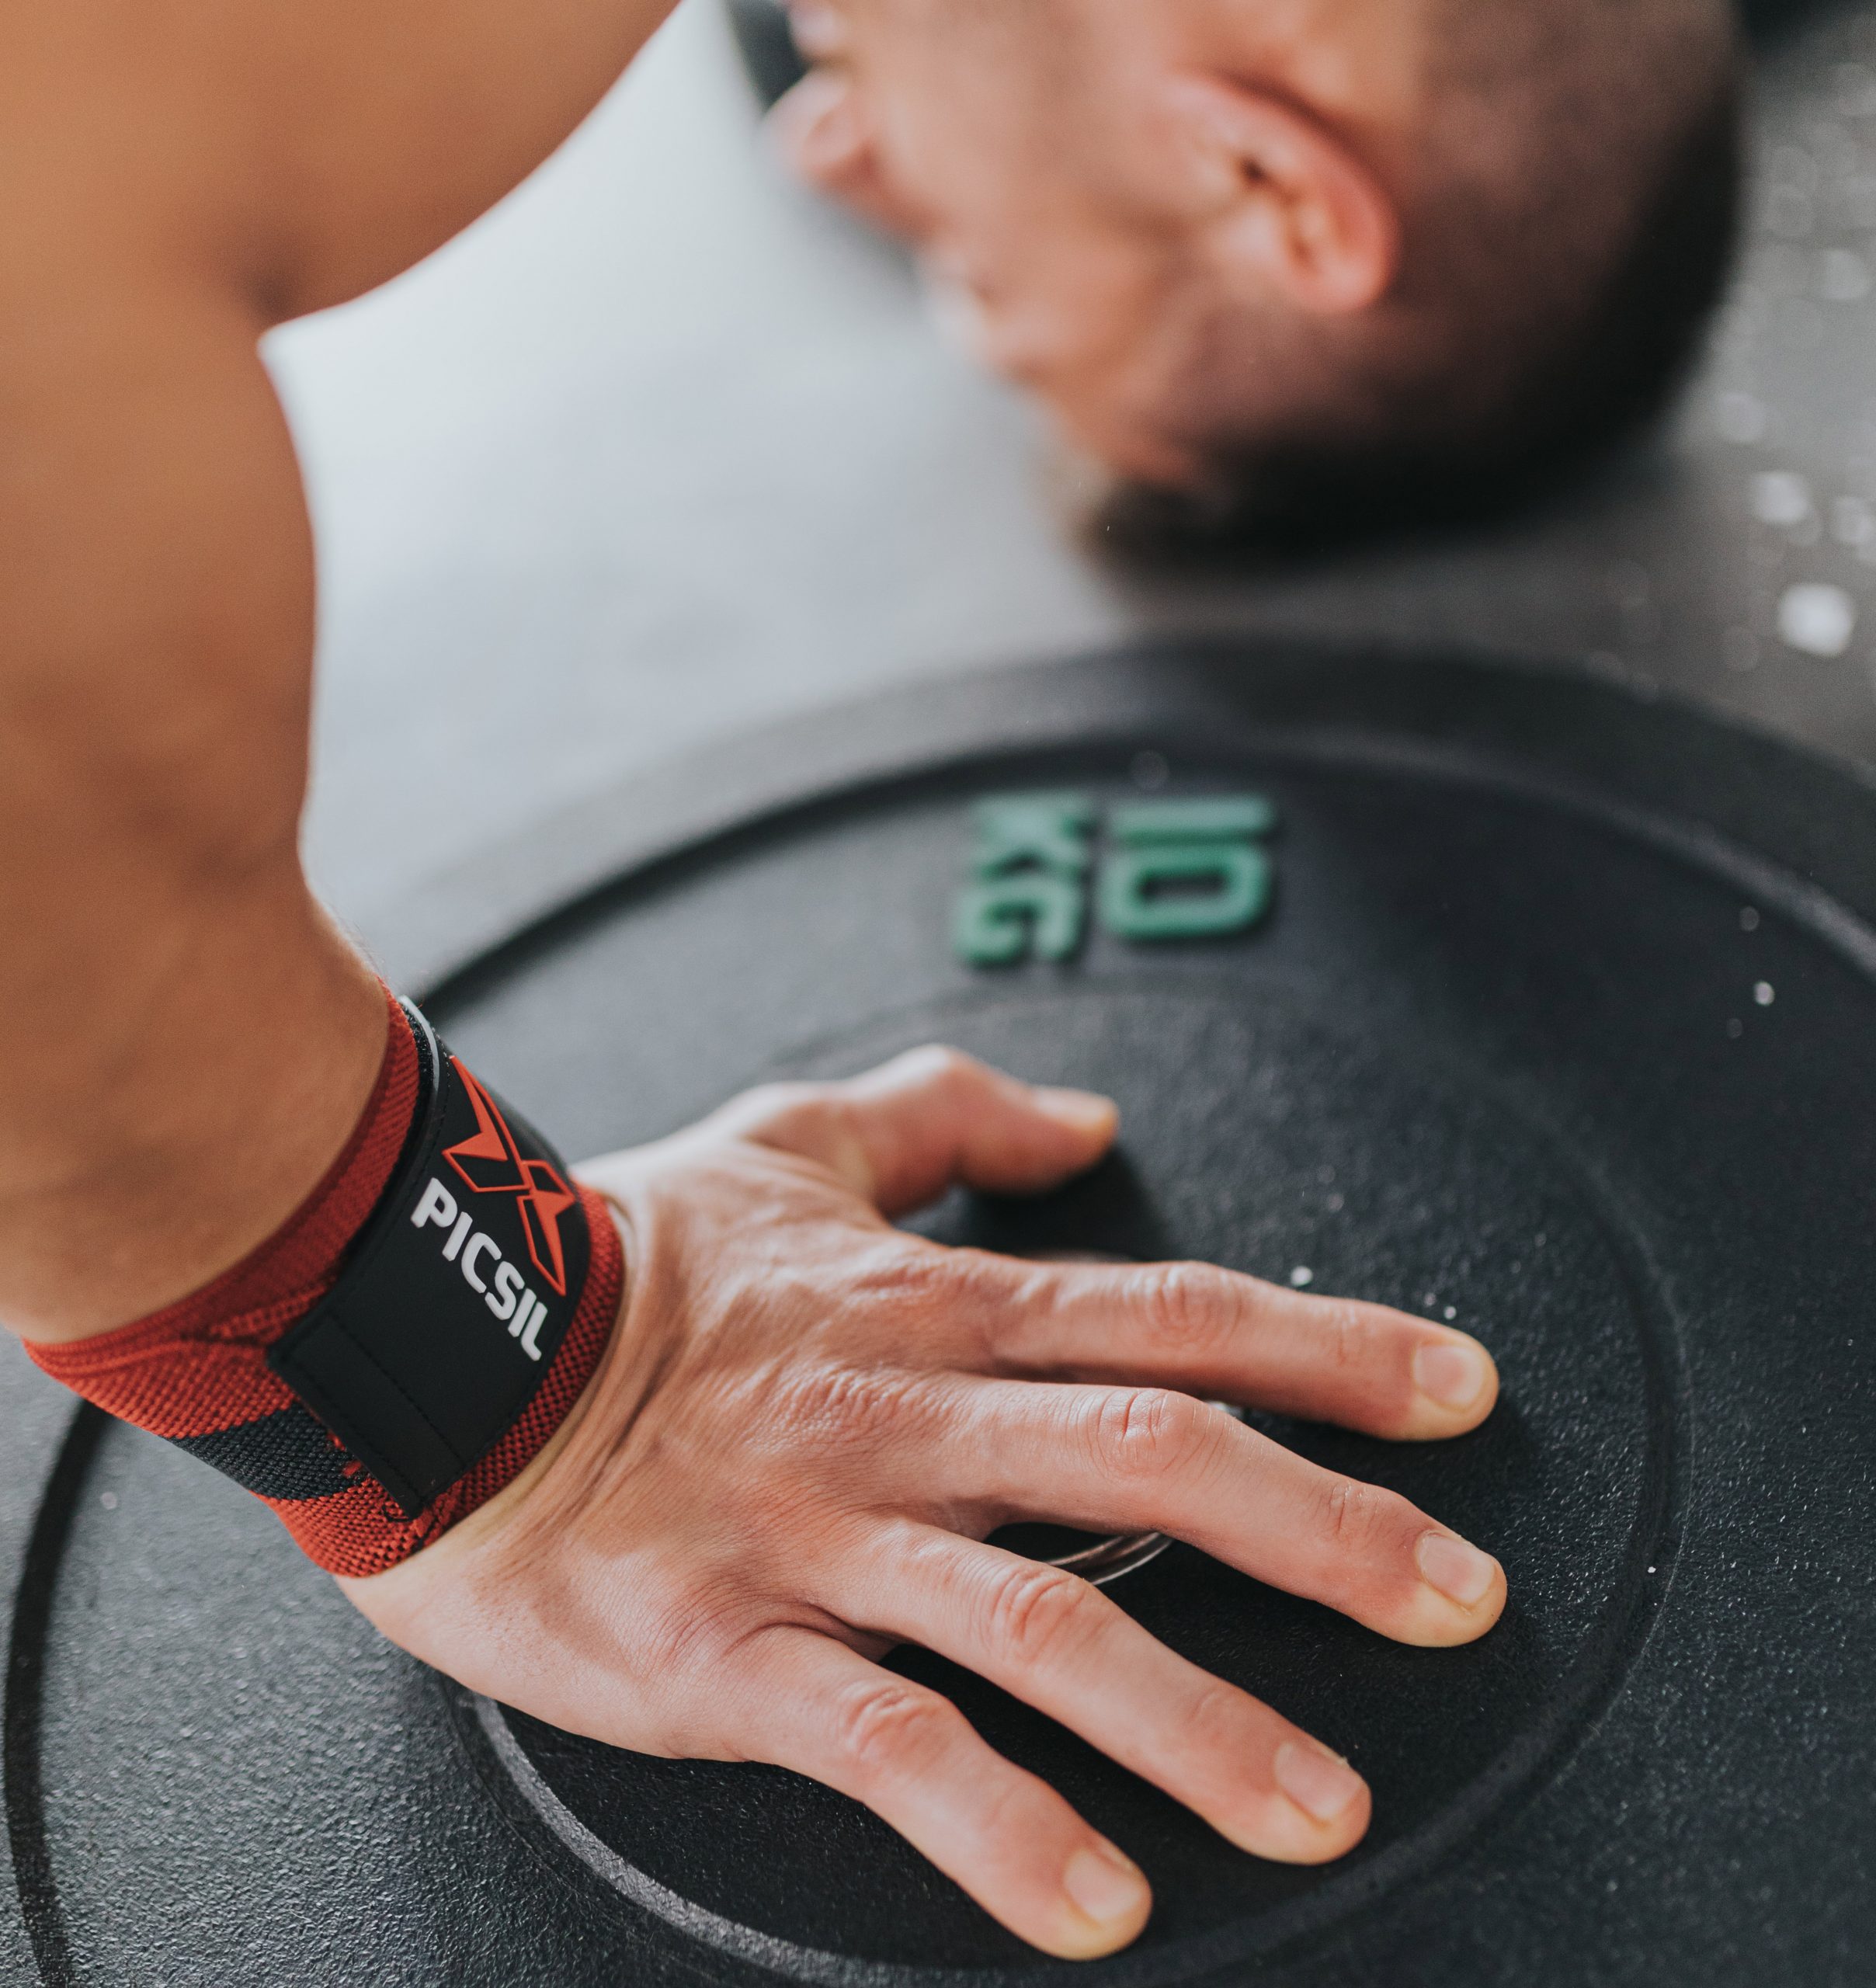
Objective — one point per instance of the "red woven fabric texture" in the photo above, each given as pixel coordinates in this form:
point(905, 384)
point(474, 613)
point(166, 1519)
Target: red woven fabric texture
point(198, 1368)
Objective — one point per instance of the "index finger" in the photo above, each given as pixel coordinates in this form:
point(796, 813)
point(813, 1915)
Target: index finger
point(1214, 1332)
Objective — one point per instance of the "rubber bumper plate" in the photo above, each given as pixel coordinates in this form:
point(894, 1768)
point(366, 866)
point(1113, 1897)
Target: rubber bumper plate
point(1491, 994)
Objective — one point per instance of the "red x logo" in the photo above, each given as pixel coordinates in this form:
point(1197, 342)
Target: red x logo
point(491, 1163)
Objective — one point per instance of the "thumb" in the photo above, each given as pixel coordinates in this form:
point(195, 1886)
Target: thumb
point(901, 1133)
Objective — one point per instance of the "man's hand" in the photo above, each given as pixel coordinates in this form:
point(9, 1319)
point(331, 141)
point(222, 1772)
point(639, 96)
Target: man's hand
point(808, 1422)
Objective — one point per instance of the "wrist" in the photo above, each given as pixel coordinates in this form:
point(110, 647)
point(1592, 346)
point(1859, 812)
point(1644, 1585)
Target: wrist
point(395, 1599)
point(405, 1345)
point(207, 1122)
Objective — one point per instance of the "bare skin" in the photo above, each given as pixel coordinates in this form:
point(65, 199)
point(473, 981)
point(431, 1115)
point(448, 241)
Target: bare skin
point(185, 1042)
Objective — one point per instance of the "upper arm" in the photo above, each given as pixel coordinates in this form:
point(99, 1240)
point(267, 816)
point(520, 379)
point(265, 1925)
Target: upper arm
point(174, 175)
point(304, 152)
point(155, 585)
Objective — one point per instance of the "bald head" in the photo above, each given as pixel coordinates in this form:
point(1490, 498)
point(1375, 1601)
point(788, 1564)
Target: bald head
point(1287, 265)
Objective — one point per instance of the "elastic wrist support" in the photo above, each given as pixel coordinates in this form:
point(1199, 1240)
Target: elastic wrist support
point(403, 1347)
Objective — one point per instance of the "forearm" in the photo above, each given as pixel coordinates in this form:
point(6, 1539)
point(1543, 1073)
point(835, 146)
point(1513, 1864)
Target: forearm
point(183, 1040)
point(163, 1125)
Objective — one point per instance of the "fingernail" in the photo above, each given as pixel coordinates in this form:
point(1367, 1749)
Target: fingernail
point(1451, 1373)
point(1104, 1886)
point(1319, 1784)
point(1082, 1109)
point(1461, 1573)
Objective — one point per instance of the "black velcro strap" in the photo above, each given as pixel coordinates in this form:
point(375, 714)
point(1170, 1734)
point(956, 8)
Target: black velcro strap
point(456, 1296)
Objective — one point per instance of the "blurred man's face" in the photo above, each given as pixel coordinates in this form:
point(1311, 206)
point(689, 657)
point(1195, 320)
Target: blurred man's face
point(1216, 236)
point(1012, 163)
point(1059, 178)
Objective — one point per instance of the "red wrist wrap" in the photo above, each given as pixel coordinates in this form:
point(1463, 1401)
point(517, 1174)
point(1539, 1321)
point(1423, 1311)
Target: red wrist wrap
point(197, 1372)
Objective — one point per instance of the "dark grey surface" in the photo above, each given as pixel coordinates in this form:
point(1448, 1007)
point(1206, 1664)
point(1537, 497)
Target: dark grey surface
point(1507, 947)
point(35, 1414)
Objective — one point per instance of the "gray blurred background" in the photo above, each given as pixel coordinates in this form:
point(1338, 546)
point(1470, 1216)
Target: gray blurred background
point(662, 448)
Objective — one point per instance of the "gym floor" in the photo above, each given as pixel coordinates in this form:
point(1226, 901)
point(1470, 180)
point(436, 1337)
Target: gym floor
point(661, 449)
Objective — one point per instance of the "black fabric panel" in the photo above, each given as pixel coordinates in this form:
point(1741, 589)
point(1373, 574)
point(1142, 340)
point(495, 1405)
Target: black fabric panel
point(283, 1455)
point(446, 1317)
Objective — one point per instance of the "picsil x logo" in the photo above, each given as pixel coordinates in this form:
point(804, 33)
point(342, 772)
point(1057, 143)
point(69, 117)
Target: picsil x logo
point(490, 1163)
point(1153, 871)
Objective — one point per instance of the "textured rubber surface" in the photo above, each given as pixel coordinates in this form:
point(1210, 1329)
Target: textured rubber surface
point(1494, 1001)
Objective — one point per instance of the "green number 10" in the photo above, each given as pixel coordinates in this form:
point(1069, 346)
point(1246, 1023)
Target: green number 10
point(1189, 869)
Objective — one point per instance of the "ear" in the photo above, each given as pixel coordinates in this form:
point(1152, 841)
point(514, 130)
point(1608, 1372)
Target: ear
point(821, 131)
point(1284, 197)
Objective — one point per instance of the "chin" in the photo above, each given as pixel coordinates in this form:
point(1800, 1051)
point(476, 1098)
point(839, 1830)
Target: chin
point(1128, 455)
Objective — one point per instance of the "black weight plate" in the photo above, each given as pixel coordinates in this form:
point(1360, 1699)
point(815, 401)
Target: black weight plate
point(1275, 1141)
point(1548, 1025)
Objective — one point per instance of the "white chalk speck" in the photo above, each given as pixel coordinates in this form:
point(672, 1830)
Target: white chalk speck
point(1452, 1312)
point(1335, 1204)
point(108, 1499)
point(1302, 1275)
point(1749, 919)
point(1816, 618)
point(1764, 993)
point(1780, 497)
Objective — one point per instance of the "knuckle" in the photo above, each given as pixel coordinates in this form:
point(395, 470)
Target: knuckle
point(1034, 1612)
point(769, 1105)
point(1358, 1518)
point(944, 1080)
point(965, 1283)
point(1183, 1307)
point(1347, 1345)
point(687, 1622)
point(1146, 1433)
point(1214, 1723)
point(937, 1063)
point(890, 1727)
point(900, 1289)
point(833, 1405)
point(934, 1070)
